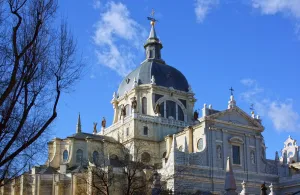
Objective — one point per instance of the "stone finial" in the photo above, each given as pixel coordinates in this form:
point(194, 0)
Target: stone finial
point(244, 191)
point(230, 185)
point(95, 128)
point(204, 111)
point(78, 126)
point(156, 186)
point(257, 117)
point(231, 102)
point(210, 106)
point(252, 114)
point(263, 189)
point(271, 190)
point(153, 80)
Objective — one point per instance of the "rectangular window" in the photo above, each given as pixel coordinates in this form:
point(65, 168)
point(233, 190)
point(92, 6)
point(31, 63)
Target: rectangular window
point(127, 131)
point(236, 155)
point(145, 130)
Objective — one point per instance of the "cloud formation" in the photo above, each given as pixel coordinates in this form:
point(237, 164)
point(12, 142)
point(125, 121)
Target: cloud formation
point(203, 7)
point(96, 4)
point(118, 38)
point(271, 7)
point(281, 113)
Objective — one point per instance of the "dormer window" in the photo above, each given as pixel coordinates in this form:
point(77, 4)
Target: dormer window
point(65, 155)
point(79, 156)
point(150, 53)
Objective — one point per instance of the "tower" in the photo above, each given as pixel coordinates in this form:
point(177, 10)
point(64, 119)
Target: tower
point(153, 101)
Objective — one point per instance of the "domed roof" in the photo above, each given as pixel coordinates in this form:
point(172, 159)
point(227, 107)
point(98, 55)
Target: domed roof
point(165, 75)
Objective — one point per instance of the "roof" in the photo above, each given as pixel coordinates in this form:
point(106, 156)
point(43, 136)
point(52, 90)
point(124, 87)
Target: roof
point(83, 136)
point(164, 75)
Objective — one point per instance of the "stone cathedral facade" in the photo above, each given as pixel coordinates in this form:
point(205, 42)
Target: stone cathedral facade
point(154, 119)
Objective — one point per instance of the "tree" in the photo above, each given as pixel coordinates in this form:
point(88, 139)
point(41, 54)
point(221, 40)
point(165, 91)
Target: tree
point(124, 174)
point(37, 64)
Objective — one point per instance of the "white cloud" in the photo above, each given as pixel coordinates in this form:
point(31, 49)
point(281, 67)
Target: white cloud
point(96, 4)
point(282, 114)
point(203, 7)
point(270, 7)
point(119, 39)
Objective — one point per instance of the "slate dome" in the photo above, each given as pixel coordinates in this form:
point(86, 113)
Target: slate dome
point(164, 75)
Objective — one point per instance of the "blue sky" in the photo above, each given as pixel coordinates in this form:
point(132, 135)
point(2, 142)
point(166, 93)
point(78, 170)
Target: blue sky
point(251, 45)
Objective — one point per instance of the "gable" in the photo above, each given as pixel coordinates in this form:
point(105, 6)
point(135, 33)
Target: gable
point(236, 116)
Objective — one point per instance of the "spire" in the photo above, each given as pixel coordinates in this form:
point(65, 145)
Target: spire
point(152, 34)
point(78, 126)
point(230, 185)
point(153, 44)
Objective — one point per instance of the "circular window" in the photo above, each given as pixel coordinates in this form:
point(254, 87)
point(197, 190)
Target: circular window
point(200, 144)
point(146, 157)
point(290, 144)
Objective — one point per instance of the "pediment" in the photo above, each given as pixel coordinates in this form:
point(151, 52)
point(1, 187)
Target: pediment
point(236, 116)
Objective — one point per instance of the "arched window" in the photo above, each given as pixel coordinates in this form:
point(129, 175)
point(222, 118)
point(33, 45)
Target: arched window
point(146, 157)
point(79, 156)
point(144, 105)
point(171, 109)
point(96, 157)
point(290, 144)
point(180, 114)
point(164, 154)
point(162, 109)
point(65, 155)
point(290, 154)
point(200, 144)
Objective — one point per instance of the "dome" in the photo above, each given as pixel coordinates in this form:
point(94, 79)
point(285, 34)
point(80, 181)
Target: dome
point(165, 76)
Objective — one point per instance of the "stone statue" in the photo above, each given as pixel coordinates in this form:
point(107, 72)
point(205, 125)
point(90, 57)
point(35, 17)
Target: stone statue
point(196, 115)
point(123, 111)
point(103, 122)
point(252, 158)
point(95, 127)
point(134, 103)
point(157, 109)
point(263, 189)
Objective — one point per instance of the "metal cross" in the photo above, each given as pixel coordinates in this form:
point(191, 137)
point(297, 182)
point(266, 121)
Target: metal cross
point(152, 13)
point(231, 90)
point(152, 16)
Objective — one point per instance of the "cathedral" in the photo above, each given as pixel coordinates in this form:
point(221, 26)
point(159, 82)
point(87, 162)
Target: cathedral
point(185, 151)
